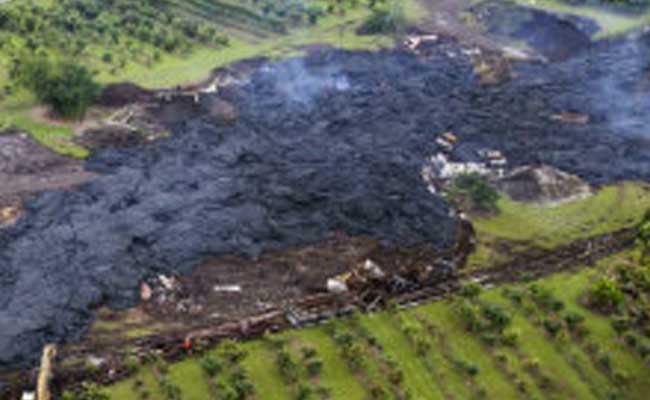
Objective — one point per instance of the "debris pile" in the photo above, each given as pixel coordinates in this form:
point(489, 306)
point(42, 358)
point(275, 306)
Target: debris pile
point(454, 160)
point(414, 42)
point(166, 295)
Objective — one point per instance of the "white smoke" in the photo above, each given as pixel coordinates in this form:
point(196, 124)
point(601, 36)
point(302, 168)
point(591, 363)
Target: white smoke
point(623, 94)
point(303, 85)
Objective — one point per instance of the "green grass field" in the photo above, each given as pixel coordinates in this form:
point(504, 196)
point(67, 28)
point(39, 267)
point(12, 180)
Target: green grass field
point(427, 352)
point(522, 225)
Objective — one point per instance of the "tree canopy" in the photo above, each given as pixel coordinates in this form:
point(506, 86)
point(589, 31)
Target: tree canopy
point(67, 88)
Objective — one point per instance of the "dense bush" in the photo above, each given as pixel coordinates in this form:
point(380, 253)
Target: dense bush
point(113, 32)
point(385, 20)
point(473, 193)
point(605, 294)
point(67, 88)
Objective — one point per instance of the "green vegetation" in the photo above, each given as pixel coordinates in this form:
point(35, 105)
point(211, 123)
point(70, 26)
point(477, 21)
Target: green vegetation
point(538, 340)
point(68, 89)
point(384, 20)
point(472, 192)
point(643, 238)
point(87, 392)
point(164, 43)
point(519, 226)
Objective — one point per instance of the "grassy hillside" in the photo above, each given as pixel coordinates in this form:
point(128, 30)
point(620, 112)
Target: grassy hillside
point(527, 341)
point(519, 226)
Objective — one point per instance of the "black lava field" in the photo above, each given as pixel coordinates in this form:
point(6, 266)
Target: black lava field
point(332, 142)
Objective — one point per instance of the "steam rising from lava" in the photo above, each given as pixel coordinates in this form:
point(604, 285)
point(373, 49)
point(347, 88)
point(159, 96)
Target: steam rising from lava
point(301, 85)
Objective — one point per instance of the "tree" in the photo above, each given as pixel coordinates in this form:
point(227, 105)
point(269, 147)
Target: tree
point(606, 295)
point(384, 20)
point(67, 88)
point(473, 193)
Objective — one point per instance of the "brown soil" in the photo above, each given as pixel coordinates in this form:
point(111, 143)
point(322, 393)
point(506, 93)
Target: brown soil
point(27, 167)
point(42, 115)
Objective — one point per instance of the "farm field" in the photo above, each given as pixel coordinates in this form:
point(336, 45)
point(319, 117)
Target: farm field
point(523, 341)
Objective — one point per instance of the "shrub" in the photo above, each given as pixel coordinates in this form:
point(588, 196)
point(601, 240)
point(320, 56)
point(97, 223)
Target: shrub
point(422, 346)
point(308, 353)
point(644, 350)
point(169, 389)
point(471, 290)
point(490, 338)
point(383, 21)
point(314, 367)
point(621, 377)
point(286, 366)
point(573, 320)
point(532, 364)
point(631, 340)
point(67, 88)
point(377, 392)
point(605, 361)
point(211, 366)
point(469, 313)
point(606, 295)
point(544, 298)
point(89, 391)
point(510, 338)
point(303, 393)
point(553, 327)
point(472, 192)
point(472, 369)
point(497, 316)
point(514, 295)
point(621, 324)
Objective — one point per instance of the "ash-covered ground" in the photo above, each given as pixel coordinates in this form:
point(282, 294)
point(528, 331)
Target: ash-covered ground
point(332, 142)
